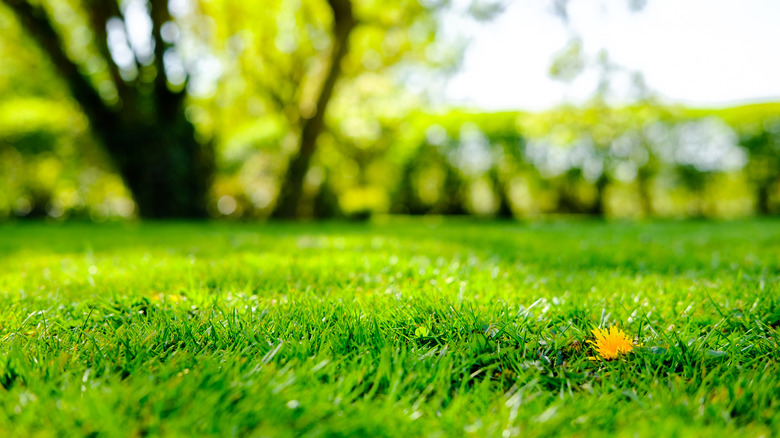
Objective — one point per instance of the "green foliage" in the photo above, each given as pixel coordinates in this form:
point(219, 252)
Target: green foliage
point(278, 60)
point(402, 329)
point(52, 168)
point(253, 77)
point(569, 62)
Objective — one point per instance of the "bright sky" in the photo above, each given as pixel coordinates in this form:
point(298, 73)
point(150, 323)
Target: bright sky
point(699, 52)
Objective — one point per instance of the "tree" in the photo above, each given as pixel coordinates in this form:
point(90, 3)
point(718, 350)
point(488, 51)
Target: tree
point(763, 168)
point(131, 95)
point(314, 67)
point(292, 188)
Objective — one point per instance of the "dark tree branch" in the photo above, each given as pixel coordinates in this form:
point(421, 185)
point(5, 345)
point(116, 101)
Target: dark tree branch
point(100, 11)
point(166, 169)
point(271, 92)
point(38, 25)
point(292, 188)
point(167, 99)
point(160, 15)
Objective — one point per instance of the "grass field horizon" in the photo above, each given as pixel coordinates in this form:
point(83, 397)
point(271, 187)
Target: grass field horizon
point(403, 328)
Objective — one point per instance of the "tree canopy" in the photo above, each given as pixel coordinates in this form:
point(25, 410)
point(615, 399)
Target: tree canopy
point(307, 108)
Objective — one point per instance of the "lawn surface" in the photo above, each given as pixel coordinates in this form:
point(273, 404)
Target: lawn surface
point(409, 328)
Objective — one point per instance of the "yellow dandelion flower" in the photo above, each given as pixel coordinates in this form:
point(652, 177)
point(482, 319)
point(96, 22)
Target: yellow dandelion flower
point(611, 344)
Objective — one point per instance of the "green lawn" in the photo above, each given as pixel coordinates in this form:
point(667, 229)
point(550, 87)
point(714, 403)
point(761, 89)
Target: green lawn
point(409, 328)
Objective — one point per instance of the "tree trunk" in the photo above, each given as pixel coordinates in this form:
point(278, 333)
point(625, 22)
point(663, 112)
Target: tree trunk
point(504, 208)
point(291, 191)
point(599, 205)
point(167, 171)
point(452, 201)
point(645, 196)
point(763, 206)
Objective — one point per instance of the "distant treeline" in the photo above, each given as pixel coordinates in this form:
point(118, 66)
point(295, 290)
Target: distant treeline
point(635, 161)
point(308, 109)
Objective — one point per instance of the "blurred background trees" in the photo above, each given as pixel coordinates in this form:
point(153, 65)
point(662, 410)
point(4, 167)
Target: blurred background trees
point(290, 62)
point(131, 88)
point(311, 108)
